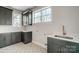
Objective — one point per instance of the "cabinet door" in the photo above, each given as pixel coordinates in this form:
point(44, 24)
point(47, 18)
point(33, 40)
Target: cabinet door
point(8, 17)
point(18, 37)
point(1, 16)
point(27, 37)
point(7, 39)
point(5, 16)
point(30, 19)
point(56, 46)
point(13, 38)
point(2, 40)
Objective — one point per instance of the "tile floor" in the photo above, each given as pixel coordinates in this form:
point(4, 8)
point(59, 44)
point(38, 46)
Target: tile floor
point(23, 48)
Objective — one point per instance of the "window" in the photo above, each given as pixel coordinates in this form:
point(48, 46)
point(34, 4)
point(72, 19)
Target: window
point(43, 15)
point(37, 17)
point(16, 19)
point(46, 15)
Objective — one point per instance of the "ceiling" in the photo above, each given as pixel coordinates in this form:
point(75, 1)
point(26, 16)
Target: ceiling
point(20, 8)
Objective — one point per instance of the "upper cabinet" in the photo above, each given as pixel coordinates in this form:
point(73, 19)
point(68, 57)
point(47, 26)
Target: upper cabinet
point(27, 17)
point(5, 16)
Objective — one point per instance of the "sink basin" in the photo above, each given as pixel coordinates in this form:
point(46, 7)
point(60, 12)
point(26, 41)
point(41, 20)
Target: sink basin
point(65, 37)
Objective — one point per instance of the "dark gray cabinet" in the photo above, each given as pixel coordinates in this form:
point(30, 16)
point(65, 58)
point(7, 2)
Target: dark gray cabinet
point(5, 16)
point(61, 46)
point(7, 39)
point(26, 37)
point(13, 38)
point(2, 40)
point(27, 17)
point(16, 37)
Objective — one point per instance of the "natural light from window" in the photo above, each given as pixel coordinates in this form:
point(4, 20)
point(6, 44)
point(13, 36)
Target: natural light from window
point(43, 15)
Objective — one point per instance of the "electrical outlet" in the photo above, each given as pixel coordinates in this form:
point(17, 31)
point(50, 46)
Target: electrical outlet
point(45, 44)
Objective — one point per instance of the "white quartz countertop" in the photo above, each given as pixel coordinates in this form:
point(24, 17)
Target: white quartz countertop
point(10, 31)
point(25, 31)
point(13, 31)
point(71, 40)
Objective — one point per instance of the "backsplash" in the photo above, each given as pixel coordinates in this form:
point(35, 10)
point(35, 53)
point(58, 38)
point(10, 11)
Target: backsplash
point(7, 28)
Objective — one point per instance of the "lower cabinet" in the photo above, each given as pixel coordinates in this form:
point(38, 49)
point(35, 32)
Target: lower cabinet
point(56, 45)
point(13, 38)
point(7, 39)
point(2, 40)
point(26, 37)
point(16, 37)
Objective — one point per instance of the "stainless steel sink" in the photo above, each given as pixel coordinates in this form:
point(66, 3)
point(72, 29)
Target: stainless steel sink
point(65, 37)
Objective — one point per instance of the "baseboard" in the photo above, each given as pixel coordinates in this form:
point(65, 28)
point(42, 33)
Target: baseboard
point(39, 44)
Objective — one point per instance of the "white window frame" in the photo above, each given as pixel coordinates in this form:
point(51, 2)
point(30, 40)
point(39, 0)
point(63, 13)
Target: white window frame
point(40, 10)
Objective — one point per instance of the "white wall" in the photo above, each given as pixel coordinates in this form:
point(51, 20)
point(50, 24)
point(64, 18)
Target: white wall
point(67, 16)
